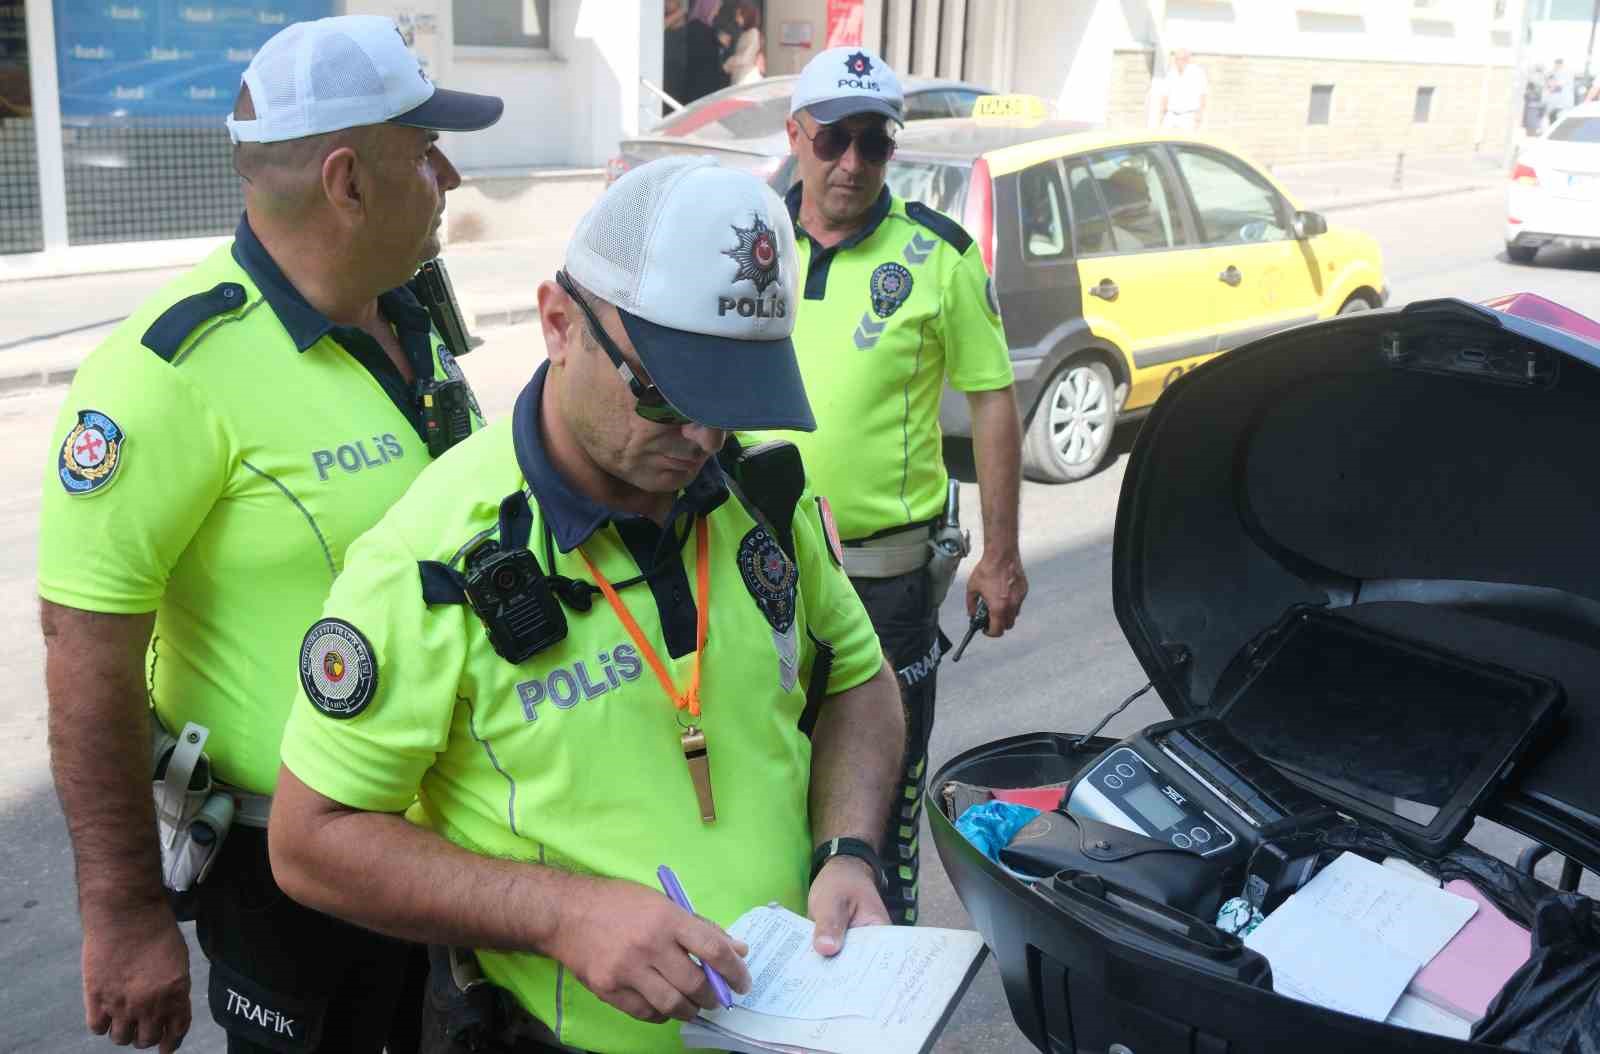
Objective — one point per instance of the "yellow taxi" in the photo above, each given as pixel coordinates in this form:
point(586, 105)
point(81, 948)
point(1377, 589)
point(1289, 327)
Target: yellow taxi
point(1121, 261)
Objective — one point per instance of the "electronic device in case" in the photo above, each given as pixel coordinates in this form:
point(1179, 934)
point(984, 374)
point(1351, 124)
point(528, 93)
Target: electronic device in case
point(1193, 785)
point(512, 598)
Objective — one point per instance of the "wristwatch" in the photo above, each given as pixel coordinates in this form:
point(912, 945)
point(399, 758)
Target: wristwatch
point(849, 847)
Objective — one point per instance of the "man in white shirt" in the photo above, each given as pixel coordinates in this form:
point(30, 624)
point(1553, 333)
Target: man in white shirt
point(1183, 101)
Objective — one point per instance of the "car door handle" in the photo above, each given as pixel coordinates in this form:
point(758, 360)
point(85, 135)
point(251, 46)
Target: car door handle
point(1231, 275)
point(1106, 290)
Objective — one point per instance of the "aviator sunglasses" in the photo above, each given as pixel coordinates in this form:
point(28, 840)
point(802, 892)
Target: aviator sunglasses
point(648, 402)
point(873, 145)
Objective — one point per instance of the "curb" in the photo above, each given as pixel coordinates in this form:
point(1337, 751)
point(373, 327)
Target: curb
point(1385, 197)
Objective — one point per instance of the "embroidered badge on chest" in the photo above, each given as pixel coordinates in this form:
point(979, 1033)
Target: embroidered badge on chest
point(336, 668)
point(890, 285)
point(770, 576)
point(91, 454)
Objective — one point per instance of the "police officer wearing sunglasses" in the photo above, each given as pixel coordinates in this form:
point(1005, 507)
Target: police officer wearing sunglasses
point(586, 650)
point(896, 302)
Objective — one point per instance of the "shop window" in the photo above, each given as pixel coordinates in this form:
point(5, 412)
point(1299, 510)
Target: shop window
point(21, 226)
point(502, 24)
point(1321, 104)
point(1423, 106)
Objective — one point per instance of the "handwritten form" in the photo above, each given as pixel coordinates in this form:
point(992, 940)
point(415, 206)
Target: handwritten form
point(1354, 936)
point(886, 991)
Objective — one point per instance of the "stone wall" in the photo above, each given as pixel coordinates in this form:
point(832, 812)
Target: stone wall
point(1260, 104)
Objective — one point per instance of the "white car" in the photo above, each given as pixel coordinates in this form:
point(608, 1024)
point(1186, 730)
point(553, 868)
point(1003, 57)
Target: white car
point(1555, 187)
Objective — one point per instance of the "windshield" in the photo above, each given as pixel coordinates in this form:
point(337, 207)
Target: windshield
point(1577, 130)
point(941, 187)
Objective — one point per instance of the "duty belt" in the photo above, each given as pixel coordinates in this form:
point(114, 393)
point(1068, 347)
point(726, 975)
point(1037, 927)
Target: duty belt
point(889, 555)
point(249, 810)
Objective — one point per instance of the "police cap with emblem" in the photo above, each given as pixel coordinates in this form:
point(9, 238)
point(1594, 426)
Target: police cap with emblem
point(335, 73)
point(842, 82)
point(700, 262)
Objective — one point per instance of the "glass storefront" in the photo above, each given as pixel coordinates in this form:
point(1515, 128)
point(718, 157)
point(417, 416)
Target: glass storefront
point(145, 85)
point(21, 222)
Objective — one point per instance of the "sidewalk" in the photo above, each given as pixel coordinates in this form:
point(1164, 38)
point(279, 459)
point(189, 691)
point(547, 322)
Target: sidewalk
point(1327, 186)
point(48, 326)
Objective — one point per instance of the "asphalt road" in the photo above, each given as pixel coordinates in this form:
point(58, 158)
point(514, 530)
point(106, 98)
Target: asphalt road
point(1061, 669)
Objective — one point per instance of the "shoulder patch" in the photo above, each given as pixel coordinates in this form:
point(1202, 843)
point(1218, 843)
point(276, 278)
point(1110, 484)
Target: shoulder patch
point(940, 224)
point(337, 670)
point(90, 454)
point(830, 531)
point(166, 334)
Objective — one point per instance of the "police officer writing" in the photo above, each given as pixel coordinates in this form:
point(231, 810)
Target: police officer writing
point(897, 302)
point(586, 650)
point(217, 455)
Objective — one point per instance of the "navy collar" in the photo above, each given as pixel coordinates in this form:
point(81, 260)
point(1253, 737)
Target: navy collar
point(875, 216)
point(574, 517)
point(304, 323)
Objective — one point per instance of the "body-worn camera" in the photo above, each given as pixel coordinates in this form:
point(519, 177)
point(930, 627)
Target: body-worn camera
point(446, 413)
point(512, 597)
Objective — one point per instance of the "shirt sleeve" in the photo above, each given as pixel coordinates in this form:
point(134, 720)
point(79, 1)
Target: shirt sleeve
point(976, 356)
point(138, 461)
point(834, 613)
point(378, 679)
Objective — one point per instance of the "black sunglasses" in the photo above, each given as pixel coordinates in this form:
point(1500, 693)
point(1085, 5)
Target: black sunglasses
point(873, 145)
point(648, 402)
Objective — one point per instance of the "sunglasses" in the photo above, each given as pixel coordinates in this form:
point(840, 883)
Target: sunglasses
point(873, 145)
point(648, 402)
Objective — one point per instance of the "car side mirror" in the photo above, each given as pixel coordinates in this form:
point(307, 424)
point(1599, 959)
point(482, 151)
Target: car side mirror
point(1309, 225)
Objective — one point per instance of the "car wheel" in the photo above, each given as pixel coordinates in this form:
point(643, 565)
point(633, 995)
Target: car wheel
point(1071, 427)
point(1354, 304)
point(1522, 254)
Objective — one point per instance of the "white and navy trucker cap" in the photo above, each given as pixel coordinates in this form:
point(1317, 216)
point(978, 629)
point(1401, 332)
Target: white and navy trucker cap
point(700, 262)
point(841, 82)
point(349, 70)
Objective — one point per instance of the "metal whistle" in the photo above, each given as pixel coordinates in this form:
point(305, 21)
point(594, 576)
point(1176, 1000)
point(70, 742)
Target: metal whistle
point(694, 755)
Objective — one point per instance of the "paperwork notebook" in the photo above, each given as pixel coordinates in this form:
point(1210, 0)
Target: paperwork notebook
point(889, 991)
point(1466, 976)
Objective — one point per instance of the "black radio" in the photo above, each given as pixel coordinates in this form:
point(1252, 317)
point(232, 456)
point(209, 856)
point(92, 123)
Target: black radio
point(512, 597)
point(1193, 785)
point(446, 408)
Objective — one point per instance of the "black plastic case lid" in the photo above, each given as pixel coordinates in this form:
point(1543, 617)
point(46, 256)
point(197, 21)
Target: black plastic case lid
point(1431, 473)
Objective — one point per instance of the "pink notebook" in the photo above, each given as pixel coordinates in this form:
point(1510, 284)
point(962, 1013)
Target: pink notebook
point(1466, 976)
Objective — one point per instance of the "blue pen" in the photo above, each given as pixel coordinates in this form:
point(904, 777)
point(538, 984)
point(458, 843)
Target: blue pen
point(674, 891)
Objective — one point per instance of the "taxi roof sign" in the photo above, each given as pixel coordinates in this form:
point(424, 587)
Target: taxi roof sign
point(1026, 107)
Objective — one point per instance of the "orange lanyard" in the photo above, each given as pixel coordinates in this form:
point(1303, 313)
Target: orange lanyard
point(690, 699)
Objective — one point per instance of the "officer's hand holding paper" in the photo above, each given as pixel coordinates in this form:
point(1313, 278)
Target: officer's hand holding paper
point(889, 989)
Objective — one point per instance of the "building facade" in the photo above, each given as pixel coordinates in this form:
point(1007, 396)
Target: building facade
point(113, 154)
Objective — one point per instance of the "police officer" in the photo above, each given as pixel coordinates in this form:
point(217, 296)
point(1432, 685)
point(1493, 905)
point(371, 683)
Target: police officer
point(217, 455)
point(587, 650)
point(897, 301)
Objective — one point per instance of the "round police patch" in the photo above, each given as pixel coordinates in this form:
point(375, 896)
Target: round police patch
point(91, 453)
point(890, 285)
point(336, 668)
point(770, 576)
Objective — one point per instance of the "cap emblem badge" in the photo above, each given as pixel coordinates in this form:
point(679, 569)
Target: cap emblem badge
point(756, 254)
point(858, 64)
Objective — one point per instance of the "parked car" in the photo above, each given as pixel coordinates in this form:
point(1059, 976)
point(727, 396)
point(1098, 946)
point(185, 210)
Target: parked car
point(742, 126)
point(1554, 197)
point(1122, 261)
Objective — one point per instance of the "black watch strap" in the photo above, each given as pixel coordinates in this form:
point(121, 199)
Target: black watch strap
point(849, 847)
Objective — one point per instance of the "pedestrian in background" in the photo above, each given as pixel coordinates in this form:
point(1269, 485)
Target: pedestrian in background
point(1558, 93)
point(1184, 93)
point(1533, 102)
point(747, 62)
point(702, 51)
point(219, 452)
point(675, 53)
